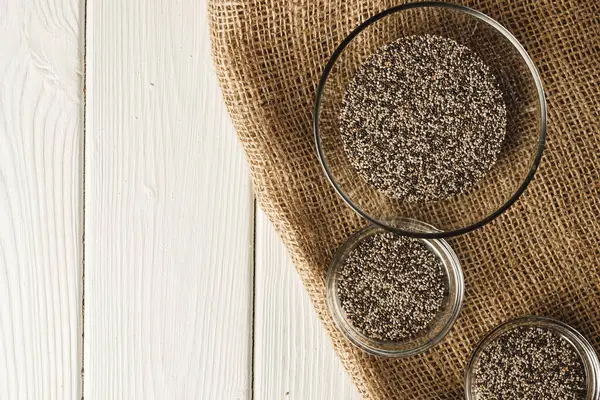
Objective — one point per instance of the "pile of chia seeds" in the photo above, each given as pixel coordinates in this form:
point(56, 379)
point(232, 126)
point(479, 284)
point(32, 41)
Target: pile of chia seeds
point(391, 287)
point(423, 119)
point(529, 363)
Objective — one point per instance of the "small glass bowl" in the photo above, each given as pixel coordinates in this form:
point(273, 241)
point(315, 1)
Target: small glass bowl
point(439, 327)
point(523, 95)
point(582, 346)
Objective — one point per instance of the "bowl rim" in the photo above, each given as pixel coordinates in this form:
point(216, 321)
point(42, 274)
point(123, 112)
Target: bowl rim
point(452, 267)
point(434, 234)
point(583, 347)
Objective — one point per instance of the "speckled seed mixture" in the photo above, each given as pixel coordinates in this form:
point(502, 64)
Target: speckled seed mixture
point(529, 363)
point(391, 287)
point(423, 119)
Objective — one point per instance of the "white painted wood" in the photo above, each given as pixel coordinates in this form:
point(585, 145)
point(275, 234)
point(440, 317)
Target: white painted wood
point(293, 357)
point(169, 211)
point(40, 199)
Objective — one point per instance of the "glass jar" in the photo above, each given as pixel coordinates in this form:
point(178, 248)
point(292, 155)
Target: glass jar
point(439, 327)
point(581, 345)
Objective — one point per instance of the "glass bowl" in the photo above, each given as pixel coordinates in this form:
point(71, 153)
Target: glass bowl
point(581, 345)
point(439, 327)
point(521, 150)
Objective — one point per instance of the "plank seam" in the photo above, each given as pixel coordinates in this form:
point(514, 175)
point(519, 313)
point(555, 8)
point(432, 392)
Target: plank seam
point(83, 198)
point(254, 213)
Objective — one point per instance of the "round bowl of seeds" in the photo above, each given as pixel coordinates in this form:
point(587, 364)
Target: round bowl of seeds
point(530, 358)
point(392, 295)
point(431, 112)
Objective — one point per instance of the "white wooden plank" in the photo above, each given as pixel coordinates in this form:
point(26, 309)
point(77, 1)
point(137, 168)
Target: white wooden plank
point(40, 199)
point(293, 357)
point(169, 211)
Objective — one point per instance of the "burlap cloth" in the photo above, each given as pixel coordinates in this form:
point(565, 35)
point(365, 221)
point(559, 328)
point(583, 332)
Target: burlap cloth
point(541, 257)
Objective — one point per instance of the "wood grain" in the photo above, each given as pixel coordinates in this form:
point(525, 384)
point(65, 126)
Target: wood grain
point(40, 199)
point(293, 357)
point(169, 211)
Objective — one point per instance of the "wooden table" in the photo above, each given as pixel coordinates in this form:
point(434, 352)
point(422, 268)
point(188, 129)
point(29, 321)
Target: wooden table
point(134, 263)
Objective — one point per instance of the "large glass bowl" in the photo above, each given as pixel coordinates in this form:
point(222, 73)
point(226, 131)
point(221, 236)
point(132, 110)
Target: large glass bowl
point(521, 150)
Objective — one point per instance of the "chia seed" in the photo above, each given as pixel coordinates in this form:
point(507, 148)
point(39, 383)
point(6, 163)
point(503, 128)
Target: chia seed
point(422, 119)
point(530, 363)
point(391, 287)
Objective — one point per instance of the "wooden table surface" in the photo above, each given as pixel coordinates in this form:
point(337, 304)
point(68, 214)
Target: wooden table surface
point(134, 263)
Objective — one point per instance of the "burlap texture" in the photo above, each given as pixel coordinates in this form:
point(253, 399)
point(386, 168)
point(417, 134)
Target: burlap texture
point(541, 257)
